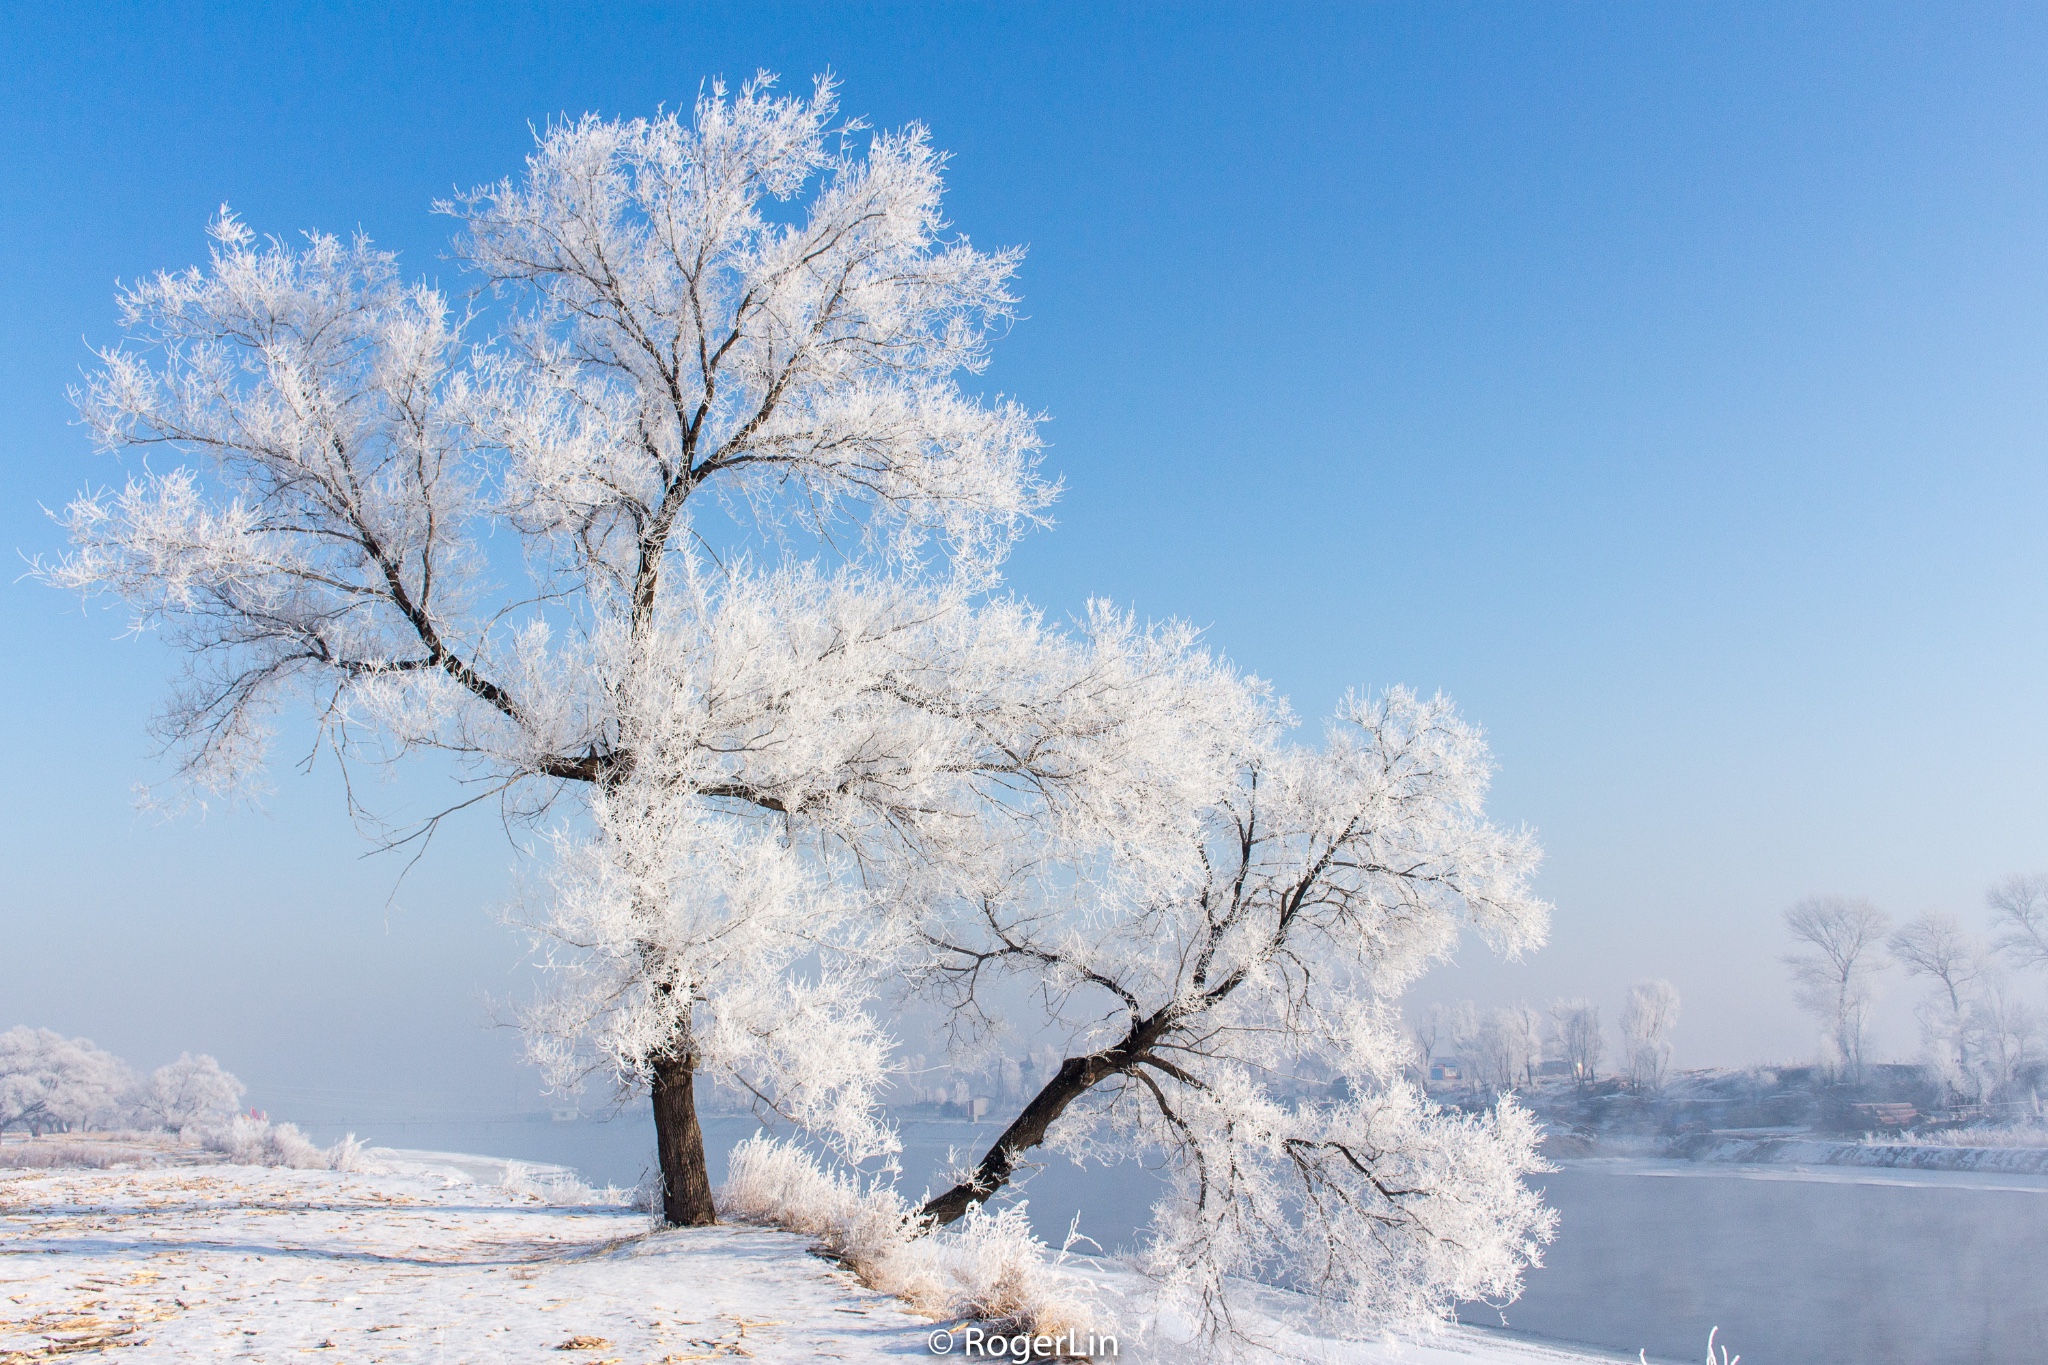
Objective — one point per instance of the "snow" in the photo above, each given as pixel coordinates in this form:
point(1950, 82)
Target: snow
point(431, 1258)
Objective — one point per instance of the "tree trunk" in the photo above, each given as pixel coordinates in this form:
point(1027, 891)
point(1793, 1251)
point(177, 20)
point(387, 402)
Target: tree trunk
point(685, 1181)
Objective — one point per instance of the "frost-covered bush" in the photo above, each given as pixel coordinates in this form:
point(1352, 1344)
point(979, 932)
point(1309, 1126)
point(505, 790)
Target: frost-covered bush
point(188, 1093)
point(53, 1084)
point(987, 1265)
point(249, 1141)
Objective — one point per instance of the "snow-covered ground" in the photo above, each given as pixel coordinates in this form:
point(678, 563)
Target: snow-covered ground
point(433, 1259)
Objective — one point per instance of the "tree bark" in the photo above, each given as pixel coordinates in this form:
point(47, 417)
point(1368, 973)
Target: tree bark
point(1076, 1076)
point(679, 1141)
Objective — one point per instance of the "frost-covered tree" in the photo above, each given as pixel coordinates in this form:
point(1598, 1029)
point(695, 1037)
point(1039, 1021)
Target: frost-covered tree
point(1837, 981)
point(1937, 947)
point(1579, 1041)
point(2020, 907)
point(1491, 1053)
point(1647, 1019)
point(723, 344)
point(1527, 1025)
point(50, 1083)
point(2010, 1031)
point(189, 1092)
point(1194, 954)
point(902, 736)
point(1508, 1047)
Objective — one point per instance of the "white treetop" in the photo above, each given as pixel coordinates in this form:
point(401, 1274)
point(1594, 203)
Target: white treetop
point(351, 456)
point(187, 1093)
point(1199, 956)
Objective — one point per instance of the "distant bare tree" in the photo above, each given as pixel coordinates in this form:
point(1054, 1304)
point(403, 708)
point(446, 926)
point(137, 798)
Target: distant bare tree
point(1646, 1023)
point(1426, 1035)
point(2021, 907)
point(1527, 1027)
point(1462, 1028)
point(1575, 1024)
point(1936, 946)
point(1837, 981)
point(1495, 1056)
point(2011, 1031)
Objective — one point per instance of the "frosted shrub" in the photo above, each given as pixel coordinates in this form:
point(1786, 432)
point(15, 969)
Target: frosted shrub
point(250, 1141)
point(986, 1265)
point(347, 1155)
point(780, 1185)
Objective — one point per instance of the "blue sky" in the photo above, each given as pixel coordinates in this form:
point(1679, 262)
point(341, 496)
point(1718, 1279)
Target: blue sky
point(1666, 384)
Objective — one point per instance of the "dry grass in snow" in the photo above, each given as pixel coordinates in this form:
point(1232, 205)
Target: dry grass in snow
point(425, 1262)
point(166, 1254)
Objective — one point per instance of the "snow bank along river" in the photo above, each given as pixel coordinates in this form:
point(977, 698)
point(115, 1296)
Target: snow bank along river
point(1796, 1265)
point(431, 1262)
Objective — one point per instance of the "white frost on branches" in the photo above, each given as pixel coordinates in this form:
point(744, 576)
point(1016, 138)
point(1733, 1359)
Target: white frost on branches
point(897, 740)
point(1647, 1019)
point(678, 327)
point(1837, 980)
point(727, 343)
point(1206, 952)
point(189, 1093)
point(703, 536)
point(53, 1084)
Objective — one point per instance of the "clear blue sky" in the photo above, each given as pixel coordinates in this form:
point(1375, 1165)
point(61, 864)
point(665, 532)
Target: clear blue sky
point(1664, 383)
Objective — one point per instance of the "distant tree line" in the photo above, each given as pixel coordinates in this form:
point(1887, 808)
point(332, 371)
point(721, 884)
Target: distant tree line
point(1978, 1038)
point(1981, 1042)
point(53, 1084)
point(1509, 1047)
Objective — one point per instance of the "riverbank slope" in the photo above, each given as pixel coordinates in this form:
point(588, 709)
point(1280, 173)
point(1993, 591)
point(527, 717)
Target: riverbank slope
point(436, 1258)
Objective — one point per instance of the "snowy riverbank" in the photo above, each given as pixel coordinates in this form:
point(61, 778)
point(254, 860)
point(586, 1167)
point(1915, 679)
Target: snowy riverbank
point(437, 1258)
point(1812, 1151)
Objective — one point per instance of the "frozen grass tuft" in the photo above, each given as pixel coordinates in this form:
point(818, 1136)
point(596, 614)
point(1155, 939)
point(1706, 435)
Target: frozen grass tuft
point(1712, 1359)
point(560, 1190)
point(987, 1266)
point(347, 1155)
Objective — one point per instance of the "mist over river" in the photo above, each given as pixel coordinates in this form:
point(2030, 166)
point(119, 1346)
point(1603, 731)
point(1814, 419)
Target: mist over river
point(1795, 1265)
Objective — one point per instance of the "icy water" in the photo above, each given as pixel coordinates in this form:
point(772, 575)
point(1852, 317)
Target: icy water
point(1796, 1266)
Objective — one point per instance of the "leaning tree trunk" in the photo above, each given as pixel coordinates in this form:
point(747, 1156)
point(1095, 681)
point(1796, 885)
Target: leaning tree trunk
point(685, 1181)
point(1075, 1078)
